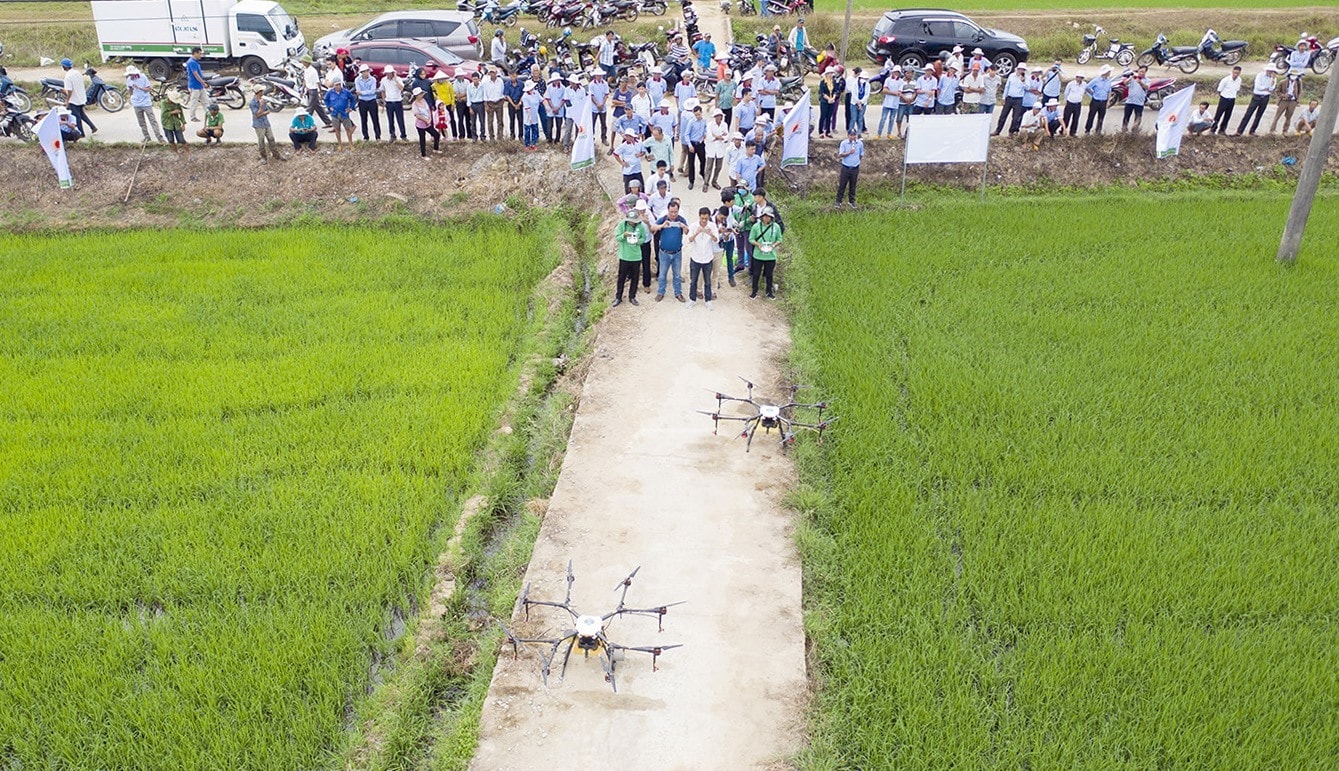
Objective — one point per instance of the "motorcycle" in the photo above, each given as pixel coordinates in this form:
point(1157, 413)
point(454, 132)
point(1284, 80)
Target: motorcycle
point(100, 92)
point(1122, 53)
point(1319, 60)
point(654, 7)
point(13, 93)
point(568, 14)
point(1186, 58)
point(786, 7)
point(224, 90)
point(15, 122)
point(1222, 51)
point(501, 15)
point(748, 8)
point(603, 12)
point(282, 92)
point(1158, 88)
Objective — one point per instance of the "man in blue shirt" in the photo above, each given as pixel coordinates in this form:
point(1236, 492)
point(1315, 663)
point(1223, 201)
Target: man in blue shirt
point(947, 98)
point(746, 111)
point(339, 102)
point(850, 153)
point(599, 91)
point(365, 88)
point(669, 231)
point(630, 155)
point(695, 142)
point(656, 85)
point(769, 88)
point(747, 167)
point(195, 82)
point(1099, 91)
point(705, 50)
point(513, 90)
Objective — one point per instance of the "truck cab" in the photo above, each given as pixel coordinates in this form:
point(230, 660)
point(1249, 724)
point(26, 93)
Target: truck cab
point(265, 32)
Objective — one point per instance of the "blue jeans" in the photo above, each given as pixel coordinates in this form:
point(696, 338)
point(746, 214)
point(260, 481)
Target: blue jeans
point(670, 261)
point(858, 118)
point(903, 112)
point(530, 134)
point(986, 108)
point(888, 118)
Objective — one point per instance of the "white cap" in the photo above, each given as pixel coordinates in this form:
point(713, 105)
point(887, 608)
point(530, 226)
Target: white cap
point(641, 205)
point(690, 103)
point(1106, 70)
point(388, 71)
point(132, 70)
point(738, 136)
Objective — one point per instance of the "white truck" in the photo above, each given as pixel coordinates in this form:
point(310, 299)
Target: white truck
point(255, 35)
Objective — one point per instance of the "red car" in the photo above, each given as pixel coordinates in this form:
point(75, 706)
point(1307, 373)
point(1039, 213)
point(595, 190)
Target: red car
point(400, 54)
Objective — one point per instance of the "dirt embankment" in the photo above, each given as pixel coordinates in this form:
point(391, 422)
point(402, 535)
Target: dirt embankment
point(1081, 162)
point(227, 187)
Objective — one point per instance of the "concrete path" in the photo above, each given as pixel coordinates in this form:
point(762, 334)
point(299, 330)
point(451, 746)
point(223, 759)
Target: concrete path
point(646, 483)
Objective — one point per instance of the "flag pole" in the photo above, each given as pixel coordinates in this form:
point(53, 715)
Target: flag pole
point(905, 138)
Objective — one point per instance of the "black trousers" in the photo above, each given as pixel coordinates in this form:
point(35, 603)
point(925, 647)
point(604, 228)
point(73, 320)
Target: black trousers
point(515, 121)
point(464, 126)
point(846, 184)
point(627, 272)
point(1096, 110)
point(700, 270)
point(697, 159)
point(367, 109)
point(394, 115)
point(1071, 117)
point(1013, 106)
point(600, 118)
point(1256, 109)
point(762, 268)
point(1223, 116)
point(729, 113)
point(423, 134)
point(646, 265)
point(1135, 111)
point(77, 112)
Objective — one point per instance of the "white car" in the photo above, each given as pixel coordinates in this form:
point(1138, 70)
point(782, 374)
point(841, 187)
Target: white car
point(454, 31)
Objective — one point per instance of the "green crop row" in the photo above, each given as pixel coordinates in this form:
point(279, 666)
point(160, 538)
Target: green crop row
point(1080, 510)
point(224, 456)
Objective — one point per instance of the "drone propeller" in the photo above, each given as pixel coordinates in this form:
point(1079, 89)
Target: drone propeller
point(625, 584)
point(570, 579)
point(748, 384)
point(516, 642)
point(656, 651)
point(525, 601)
point(659, 612)
point(607, 663)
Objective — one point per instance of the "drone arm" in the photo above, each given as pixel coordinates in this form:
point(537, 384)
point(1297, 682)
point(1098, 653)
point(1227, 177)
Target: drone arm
point(657, 612)
point(561, 605)
point(656, 651)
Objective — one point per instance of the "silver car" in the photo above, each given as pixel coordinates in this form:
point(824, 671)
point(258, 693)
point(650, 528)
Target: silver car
point(454, 31)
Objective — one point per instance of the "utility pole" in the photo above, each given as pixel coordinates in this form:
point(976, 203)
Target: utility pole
point(846, 29)
point(1309, 179)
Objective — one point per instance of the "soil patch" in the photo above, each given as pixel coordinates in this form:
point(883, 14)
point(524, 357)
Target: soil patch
point(227, 187)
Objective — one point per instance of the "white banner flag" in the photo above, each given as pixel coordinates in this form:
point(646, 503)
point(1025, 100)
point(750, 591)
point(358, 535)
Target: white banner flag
point(795, 134)
point(1172, 120)
point(48, 133)
point(583, 145)
point(948, 138)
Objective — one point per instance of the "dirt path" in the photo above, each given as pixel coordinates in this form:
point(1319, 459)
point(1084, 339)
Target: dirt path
point(646, 483)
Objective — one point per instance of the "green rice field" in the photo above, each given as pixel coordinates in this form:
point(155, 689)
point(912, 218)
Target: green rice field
point(1081, 509)
point(223, 458)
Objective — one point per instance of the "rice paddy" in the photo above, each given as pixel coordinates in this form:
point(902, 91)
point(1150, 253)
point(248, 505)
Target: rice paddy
point(1081, 509)
point(223, 459)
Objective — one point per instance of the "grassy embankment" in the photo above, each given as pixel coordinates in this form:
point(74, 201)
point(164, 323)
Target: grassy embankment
point(231, 461)
point(1079, 511)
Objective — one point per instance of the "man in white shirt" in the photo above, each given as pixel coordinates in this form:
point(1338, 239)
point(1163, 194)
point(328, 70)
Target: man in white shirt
point(1264, 86)
point(492, 90)
point(701, 247)
point(1200, 120)
point(971, 92)
point(311, 87)
point(1031, 127)
point(1074, 92)
point(1228, 88)
point(718, 138)
point(76, 96)
point(733, 150)
point(497, 52)
point(608, 46)
point(1308, 118)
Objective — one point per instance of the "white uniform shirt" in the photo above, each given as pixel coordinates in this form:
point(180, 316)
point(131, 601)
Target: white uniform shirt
point(393, 88)
point(74, 83)
point(702, 240)
point(1074, 91)
point(718, 137)
point(1229, 87)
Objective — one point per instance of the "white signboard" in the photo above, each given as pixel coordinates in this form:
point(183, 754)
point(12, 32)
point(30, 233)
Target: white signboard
point(948, 138)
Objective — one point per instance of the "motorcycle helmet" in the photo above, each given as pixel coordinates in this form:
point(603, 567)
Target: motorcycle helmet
point(760, 37)
point(66, 63)
point(497, 33)
point(567, 31)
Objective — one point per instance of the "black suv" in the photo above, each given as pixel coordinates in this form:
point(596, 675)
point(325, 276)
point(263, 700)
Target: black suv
point(913, 36)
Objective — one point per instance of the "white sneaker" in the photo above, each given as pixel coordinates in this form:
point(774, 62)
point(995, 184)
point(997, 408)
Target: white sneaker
point(691, 303)
point(708, 304)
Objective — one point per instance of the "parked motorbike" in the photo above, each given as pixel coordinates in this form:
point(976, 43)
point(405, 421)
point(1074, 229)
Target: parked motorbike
point(1186, 58)
point(1318, 59)
point(100, 92)
point(748, 8)
point(605, 11)
point(13, 93)
point(568, 14)
point(224, 90)
point(1215, 49)
point(654, 7)
point(1122, 53)
point(1158, 88)
point(787, 7)
point(15, 122)
point(502, 15)
point(282, 92)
